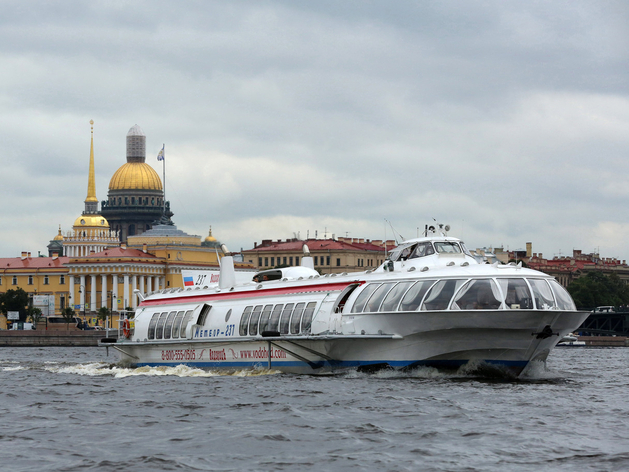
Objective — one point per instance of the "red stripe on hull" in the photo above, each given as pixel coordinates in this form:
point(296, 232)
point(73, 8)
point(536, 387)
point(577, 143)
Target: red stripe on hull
point(248, 294)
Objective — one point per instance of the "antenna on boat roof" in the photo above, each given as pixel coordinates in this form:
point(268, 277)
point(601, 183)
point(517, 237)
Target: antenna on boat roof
point(393, 229)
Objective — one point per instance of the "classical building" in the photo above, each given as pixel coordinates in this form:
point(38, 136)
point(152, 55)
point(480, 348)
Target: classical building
point(135, 200)
point(89, 267)
point(330, 255)
point(567, 269)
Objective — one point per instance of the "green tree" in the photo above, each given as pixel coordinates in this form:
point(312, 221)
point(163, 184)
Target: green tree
point(597, 289)
point(15, 300)
point(35, 315)
point(103, 313)
point(68, 316)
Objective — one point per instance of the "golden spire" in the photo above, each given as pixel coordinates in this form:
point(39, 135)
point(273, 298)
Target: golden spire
point(91, 182)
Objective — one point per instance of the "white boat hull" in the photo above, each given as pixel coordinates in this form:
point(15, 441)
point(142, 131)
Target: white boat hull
point(440, 339)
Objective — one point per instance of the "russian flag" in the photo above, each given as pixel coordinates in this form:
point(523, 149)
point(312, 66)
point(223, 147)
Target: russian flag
point(188, 281)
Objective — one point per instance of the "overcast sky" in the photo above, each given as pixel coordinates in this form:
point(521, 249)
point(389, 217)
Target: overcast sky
point(508, 120)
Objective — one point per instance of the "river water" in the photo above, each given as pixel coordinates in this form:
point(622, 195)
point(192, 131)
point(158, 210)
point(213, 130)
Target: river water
point(73, 409)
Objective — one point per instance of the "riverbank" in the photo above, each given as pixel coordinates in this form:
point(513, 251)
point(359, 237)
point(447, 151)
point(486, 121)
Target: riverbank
point(605, 341)
point(35, 338)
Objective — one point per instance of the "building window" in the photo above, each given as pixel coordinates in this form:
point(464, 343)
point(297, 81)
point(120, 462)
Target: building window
point(62, 302)
point(284, 260)
point(266, 262)
point(290, 261)
point(30, 280)
point(126, 200)
point(327, 260)
point(316, 258)
point(273, 261)
point(0, 280)
point(132, 200)
point(62, 280)
point(296, 260)
point(338, 262)
point(14, 281)
point(45, 280)
point(259, 262)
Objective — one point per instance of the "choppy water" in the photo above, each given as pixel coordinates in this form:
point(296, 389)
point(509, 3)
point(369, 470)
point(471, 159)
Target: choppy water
point(71, 409)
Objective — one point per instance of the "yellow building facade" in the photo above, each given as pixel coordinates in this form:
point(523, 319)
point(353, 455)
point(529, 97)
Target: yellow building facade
point(89, 268)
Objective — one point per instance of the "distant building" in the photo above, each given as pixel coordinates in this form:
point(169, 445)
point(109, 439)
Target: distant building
point(89, 268)
point(567, 269)
point(329, 255)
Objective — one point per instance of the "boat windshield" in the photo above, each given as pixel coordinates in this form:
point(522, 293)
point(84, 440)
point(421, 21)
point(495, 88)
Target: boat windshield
point(447, 247)
point(411, 251)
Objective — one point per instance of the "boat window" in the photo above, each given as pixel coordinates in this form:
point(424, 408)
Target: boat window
point(406, 252)
point(402, 252)
point(517, 294)
point(203, 315)
point(363, 296)
point(264, 319)
point(440, 294)
point(542, 294)
point(244, 321)
point(160, 325)
point(343, 297)
point(296, 318)
point(168, 327)
point(285, 318)
point(564, 300)
point(306, 320)
point(481, 294)
point(447, 247)
point(392, 299)
point(465, 249)
point(376, 299)
point(253, 321)
point(152, 324)
point(184, 323)
point(275, 318)
point(177, 324)
point(414, 296)
point(421, 250)
point(266, 275)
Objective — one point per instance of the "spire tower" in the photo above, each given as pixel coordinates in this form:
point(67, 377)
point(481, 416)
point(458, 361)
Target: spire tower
point(91, 202)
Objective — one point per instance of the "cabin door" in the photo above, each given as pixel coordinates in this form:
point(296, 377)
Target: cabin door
point(322, 320)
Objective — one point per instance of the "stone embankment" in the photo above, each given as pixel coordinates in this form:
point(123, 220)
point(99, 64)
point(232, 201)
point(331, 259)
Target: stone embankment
point(36, 338)
point(605, 341)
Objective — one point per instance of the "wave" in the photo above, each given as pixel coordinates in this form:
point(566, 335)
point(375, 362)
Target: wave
point(103, 369)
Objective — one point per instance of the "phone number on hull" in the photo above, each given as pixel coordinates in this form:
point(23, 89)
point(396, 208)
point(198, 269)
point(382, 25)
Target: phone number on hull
point(179, 355)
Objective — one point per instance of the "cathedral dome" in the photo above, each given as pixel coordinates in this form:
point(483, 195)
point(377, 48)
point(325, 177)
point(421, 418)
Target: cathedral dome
point(59, 236)
point(90, 221)
point(135, 176)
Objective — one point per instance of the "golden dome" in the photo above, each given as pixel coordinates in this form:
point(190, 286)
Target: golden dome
point(209, 238)
point(90, 221)
point(59, 236)
point(135, 176)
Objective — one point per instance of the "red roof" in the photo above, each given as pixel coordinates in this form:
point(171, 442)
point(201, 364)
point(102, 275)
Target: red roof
point(314, 245)
point(32, 262)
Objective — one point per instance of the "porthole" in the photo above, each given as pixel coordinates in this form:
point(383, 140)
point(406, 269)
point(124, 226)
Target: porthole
point(82, 222)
